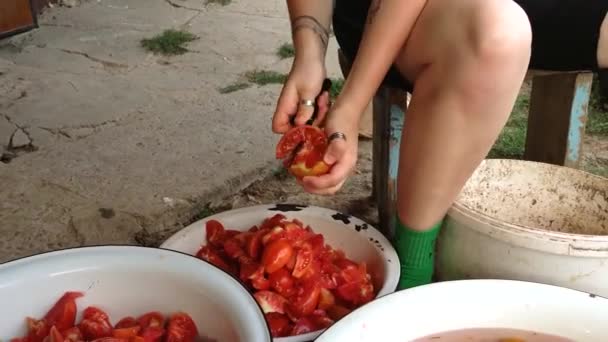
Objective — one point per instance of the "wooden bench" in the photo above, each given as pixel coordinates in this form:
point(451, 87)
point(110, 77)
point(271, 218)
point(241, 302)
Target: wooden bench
point(556, 125)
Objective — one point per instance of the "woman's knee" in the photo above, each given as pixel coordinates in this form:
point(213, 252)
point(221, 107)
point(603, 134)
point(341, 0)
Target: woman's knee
point(499, 32)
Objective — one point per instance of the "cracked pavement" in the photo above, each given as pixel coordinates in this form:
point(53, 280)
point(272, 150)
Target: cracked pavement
point(105, 143)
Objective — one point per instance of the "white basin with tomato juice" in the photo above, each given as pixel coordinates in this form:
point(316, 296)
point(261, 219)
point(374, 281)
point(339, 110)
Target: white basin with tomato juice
point(358, 240)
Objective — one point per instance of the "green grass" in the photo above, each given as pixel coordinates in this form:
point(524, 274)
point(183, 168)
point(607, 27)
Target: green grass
point(170, 42)
point(512, 140)
point(336, 87)
point(286, 51)
point(264, 77)
point(234, 87)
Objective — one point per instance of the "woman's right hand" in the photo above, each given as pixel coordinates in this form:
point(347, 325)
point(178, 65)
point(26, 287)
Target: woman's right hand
point(303, 83)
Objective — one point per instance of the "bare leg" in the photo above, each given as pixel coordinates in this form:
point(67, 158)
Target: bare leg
point(468, 59)
point(602, 48)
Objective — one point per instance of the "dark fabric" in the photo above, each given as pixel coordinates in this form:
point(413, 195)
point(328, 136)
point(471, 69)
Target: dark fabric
point(565, 33)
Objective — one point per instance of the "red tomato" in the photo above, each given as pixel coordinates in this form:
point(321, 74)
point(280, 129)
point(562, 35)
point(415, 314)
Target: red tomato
point(137, 339)
point(280, 325)
point(320, 320)
point(214, 232)
point(126, 332)
point(73, 335)
point(181, 328)
point(54, 335)
point(272, 235)
point(303, 325)
point(356, 293)
point(95, 324)
point(305, 300)
point(276, 255)
point(153, 319)
point(126, 322)
point(309, 159)
point(152, 334)
point(211, 255)
point(110, 339)
point(270, 301)
point(282, 282)
point(63, 313)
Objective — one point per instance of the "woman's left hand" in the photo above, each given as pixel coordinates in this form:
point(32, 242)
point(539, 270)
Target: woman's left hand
point(341, 153)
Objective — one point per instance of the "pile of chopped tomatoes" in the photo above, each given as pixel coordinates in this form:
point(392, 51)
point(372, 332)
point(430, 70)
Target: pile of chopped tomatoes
point(301, 283)
point(59, 325)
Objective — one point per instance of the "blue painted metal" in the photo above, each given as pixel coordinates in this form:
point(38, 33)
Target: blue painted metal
point(397, 117)
point(578, 119)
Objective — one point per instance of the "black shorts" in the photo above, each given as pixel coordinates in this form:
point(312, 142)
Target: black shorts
point(565, 33)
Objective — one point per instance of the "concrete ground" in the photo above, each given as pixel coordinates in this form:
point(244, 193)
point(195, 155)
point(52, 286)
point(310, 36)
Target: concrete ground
point(103, 142)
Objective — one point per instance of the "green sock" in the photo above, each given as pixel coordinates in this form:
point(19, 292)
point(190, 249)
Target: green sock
point(416, 250)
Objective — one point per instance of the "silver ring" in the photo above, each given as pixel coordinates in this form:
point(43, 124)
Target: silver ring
point(336, 135)
point(308, 103)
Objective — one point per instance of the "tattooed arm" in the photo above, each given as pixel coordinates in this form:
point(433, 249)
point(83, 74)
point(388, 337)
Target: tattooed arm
point(310, 21)
point(389, 23)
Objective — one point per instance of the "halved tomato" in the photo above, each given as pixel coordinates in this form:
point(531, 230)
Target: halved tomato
point(311, 143)
point(95, 324)
point(181, 328)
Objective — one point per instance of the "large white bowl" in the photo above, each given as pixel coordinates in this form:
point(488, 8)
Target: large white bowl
point(425, 310)
point(129, 281)
point(360, 241)
point(528, 221)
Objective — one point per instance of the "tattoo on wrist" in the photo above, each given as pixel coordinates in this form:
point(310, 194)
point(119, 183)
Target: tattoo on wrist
point(309, 22)
point(373, 10)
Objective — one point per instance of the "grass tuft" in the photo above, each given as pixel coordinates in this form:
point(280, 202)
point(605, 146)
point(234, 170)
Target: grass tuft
point(264, 77)
point(170, 42)
point(234, 87)
point(286, 51)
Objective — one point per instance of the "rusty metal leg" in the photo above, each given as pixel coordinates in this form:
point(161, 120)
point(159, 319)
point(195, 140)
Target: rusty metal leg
point(558, 115)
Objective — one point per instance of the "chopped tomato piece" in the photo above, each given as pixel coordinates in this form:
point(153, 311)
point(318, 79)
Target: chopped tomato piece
point(273, 221)
point(152, 334)
point(54, 335)
point(73, 335)
point(276, 255)
point(63, 314)
point(37, 329)
point(233, 248)
point(126, 322)
point(303, 325)
point(152, 319)
point(254, 244)
point(279, 324)
point(274, 234)
point(270, 301)
point(126, 332)
point(305, 300)
point(309, 158)
point(303, 263)
point(336, 312)
point(212, 256)
point(326, 299)
point(282, 282)
point(95, 324)
point(214, 232)
point(181, 328)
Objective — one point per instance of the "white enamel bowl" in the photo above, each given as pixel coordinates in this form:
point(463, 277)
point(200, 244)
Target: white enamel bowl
point(129, 281)
point(360, 241)
point(431, 309)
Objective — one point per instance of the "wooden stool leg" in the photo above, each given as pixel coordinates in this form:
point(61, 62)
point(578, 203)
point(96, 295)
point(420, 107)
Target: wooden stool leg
point(389, 113)
point(558, 114)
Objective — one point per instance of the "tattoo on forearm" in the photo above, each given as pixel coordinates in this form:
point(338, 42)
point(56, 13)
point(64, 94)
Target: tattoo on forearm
point(308, 22)
point(373, 10)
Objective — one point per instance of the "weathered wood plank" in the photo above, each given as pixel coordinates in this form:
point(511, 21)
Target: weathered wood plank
point(558, 115)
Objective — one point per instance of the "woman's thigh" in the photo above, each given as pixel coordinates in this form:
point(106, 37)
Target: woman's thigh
point(602, 49)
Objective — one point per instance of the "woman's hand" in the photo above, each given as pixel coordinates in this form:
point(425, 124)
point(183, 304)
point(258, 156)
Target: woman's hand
point(341, 154)
point(303, 83)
